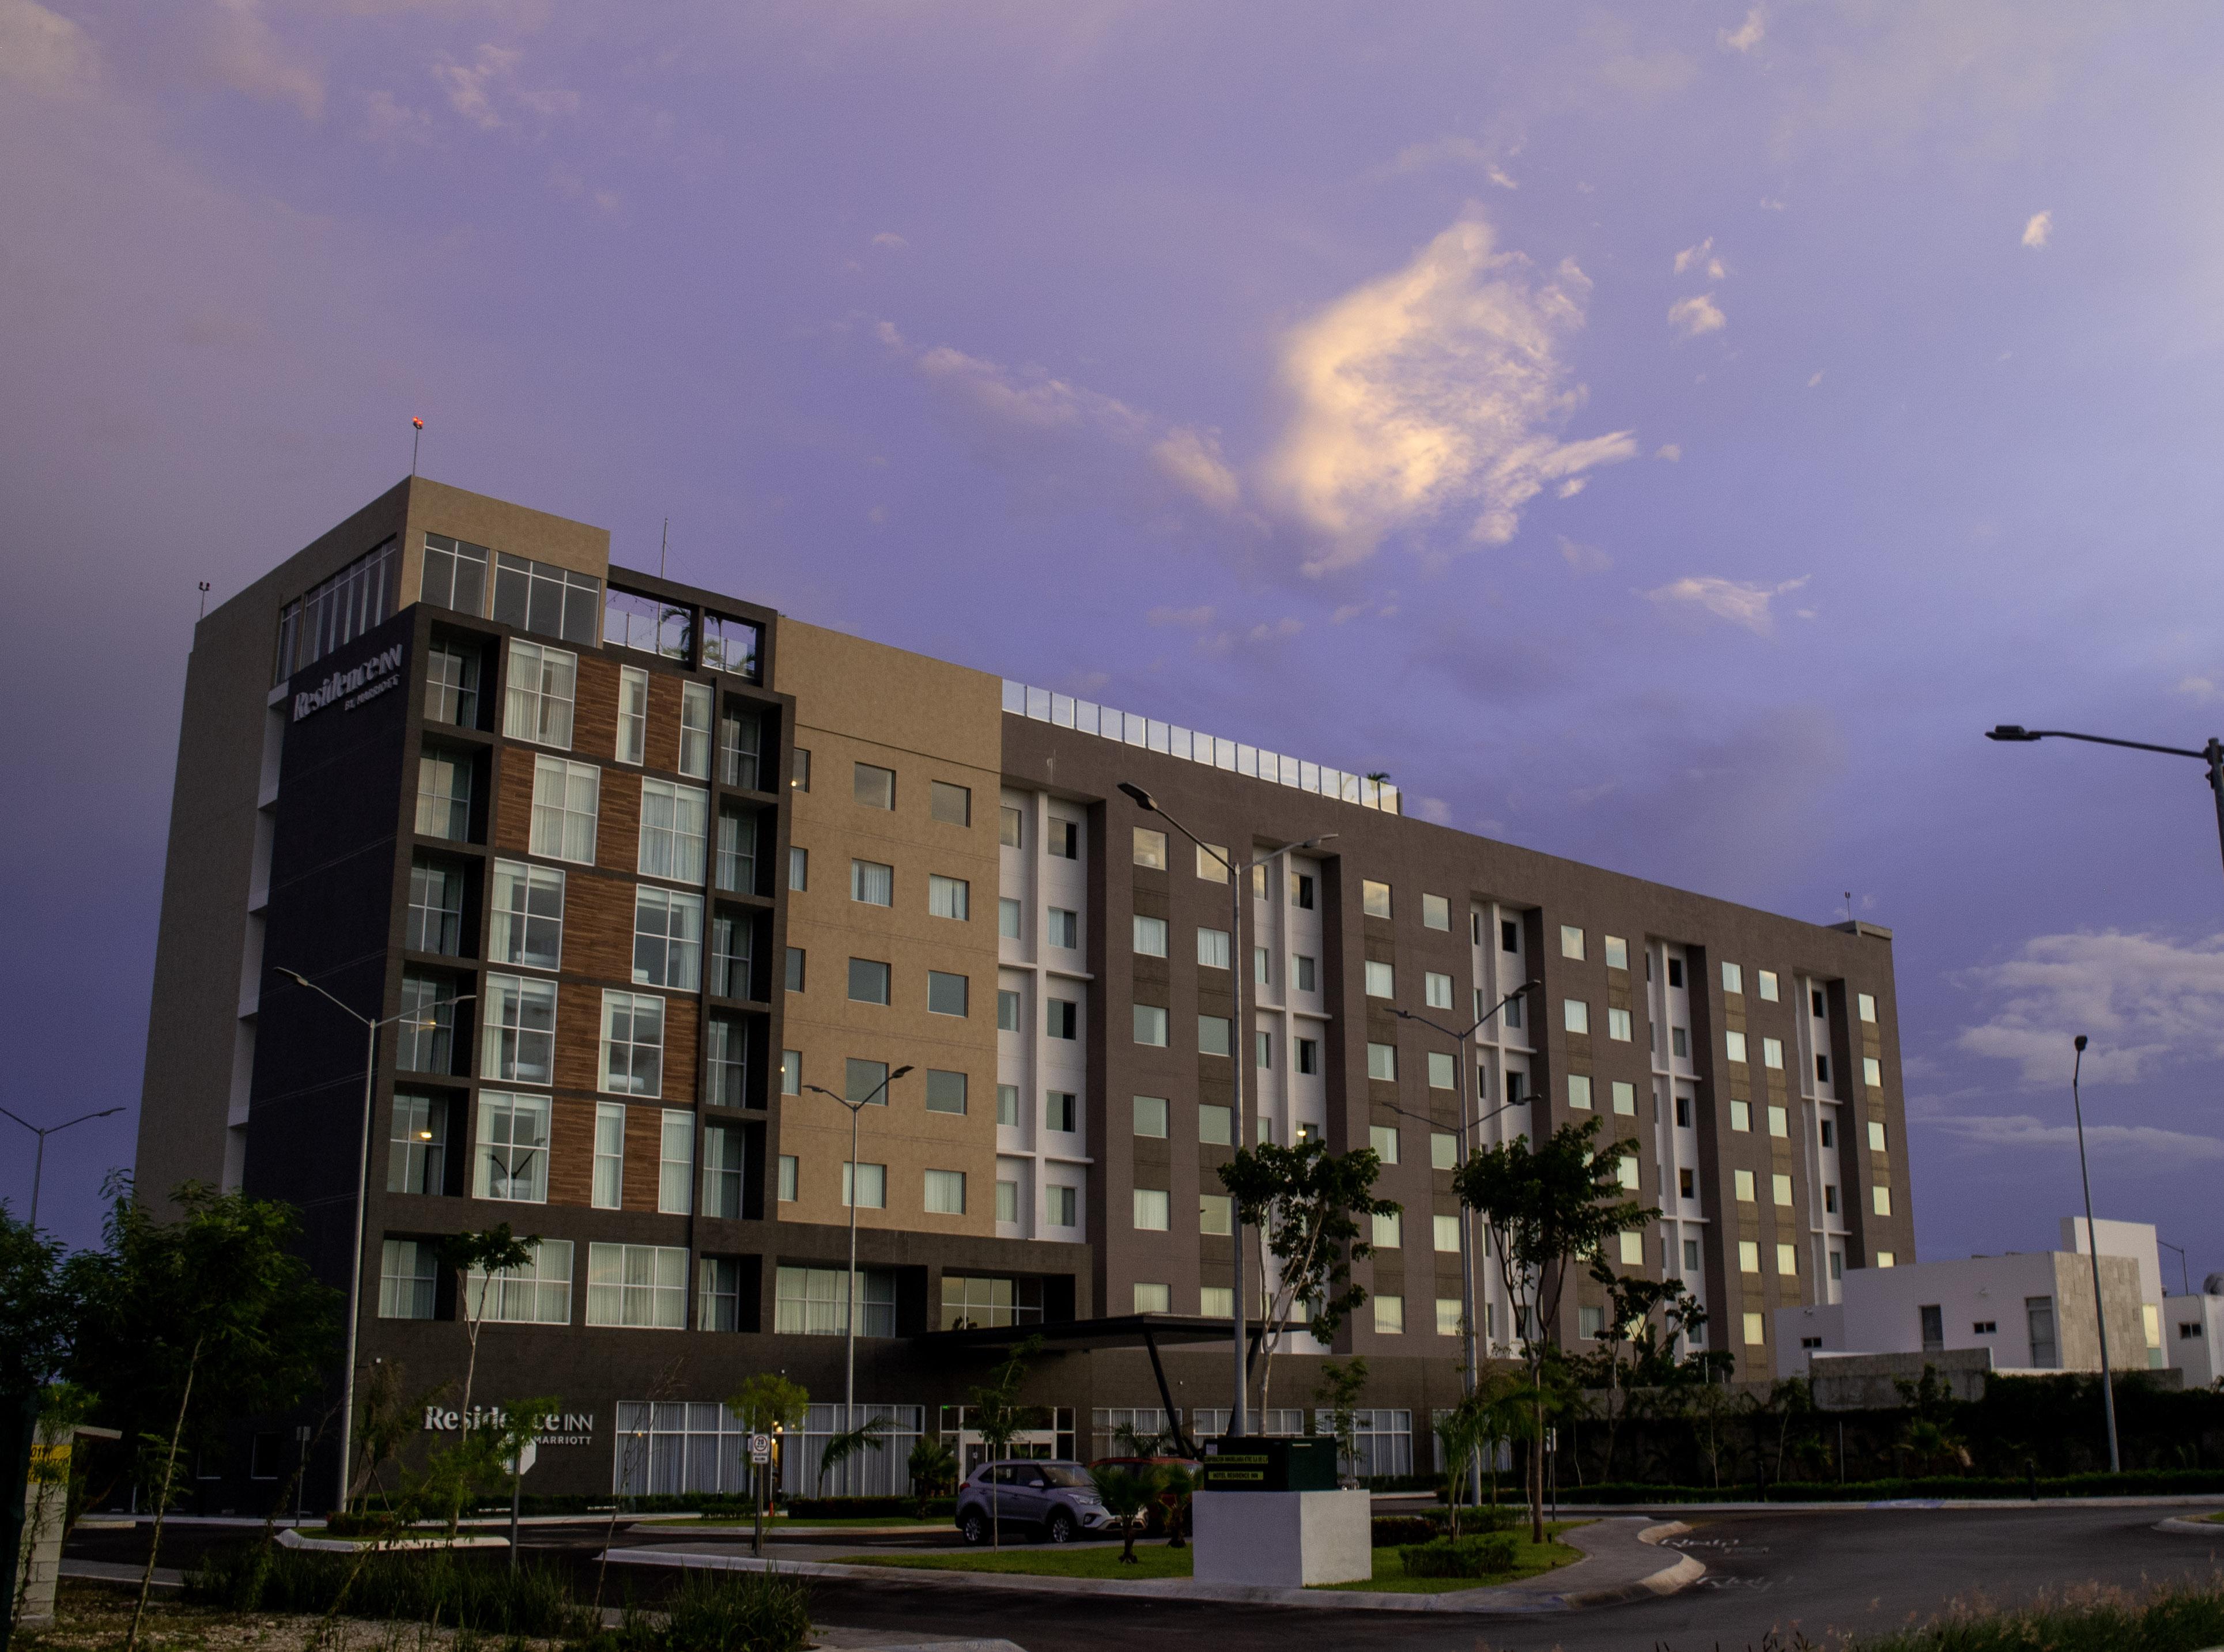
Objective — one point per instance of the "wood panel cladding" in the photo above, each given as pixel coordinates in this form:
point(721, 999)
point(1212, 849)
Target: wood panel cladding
point(513, 821)
point(595, 709)
point(598, 927)
point(663, 745)
point(644, 1139)
point(571, 1153)
point(617, 829)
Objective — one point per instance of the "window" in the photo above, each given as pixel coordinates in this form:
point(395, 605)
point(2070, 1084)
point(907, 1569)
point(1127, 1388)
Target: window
point(1814, 1002)
point(1624, 1098)
point(1065, 839)
point(444, 793)
point(1301, 891)
point(1382, 1063)
point(639, 1285)
point(1674, 971)
point(869, 981)
point(1884, 1258)
point(1828, 1131)
point(1748, 1256)
point(1061, 1206)
point(565, 801)
point(436, 907)
point(1151, 1209)
point(1302, 972)
point(1574, 1015)
point(1741, 1182)
point(1445, 1232)
point(791, 1072)
point(788, 1178)
point(527, 925)
point(425, 1035)
point(1436, 913)
point(1571, 942)
point(607, 1191)
point(737, 851)
point(454, 575)
point(1308, 1055)
point(1216, 1125)
point(719, 1294)
point(1516, 1085)
point(1212, 862)
point(1262, 1050)
point(1733, 979)
point(1009, 917)
point(1822, 1069)
point(633, 1044)
point(1389, 1231)
point(945, 1193)
point(1383, 1139)
point(1011, 827)
point(511, 1162)
point(1876, 1135)
point(949, 898)
point(1437, 990)
point(1779, 1123)
point(632, 716)
point(951, 804)
point(945, 994)
point(1509, 935)
point(1215, 1213)
point(1864, 1007)
point(1007, 1010)
point(1772, 1054)
point(1212, 949)
point(417, 1145)
point(1443, 1074)
point(1374, 897)
point(1008, 1208)
point(1687, 1183)
point(731, 645)
point(798, 770)
point(1617, 1025)
point(1151, 1116)
point(1262, 967)
point(1617, 952)
point(1150, 848)
point(1734, 1044)
point(540, 596)
point(1150, 937)
point(865, 1081)
point(1152, 1298)
point(1872, 1072)
point(870, 1184)
point(538, 1291)
point(1679, 1042)
point(1213, 1035)
point(1787, 1261)
point(1389, 1315)
point(1062, 1019)
point(1780, 1189)
point(1767, 980)
point(517, 1029)
point(1061, 1112)
point(1754, 1336)
point(1008, 1104)
point(725, 1063)
point(675, 1162)
point(1633, 1250)
point(1881, 1199)
point(542, 684)
point(667, 939)
point(1065, 927)
point(1741, 1115)
point(1691, 1257)
point(796, 960)
point(816, 1302)
point(873, 786)
point(872, 883)
point(408, 1279)
point(452, 685)
point(740, 735)
point(1512, 1013)
point(1381, 979)
point(945, 1091)
point(1579, 1092)
point(798, 868)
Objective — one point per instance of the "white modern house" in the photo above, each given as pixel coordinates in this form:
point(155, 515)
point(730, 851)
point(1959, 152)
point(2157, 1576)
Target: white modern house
point(2028, 1311)
point(2193, 1332)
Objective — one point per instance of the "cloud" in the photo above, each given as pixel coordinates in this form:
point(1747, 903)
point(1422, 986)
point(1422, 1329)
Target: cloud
point(2197, 688)
point(1455, 150)
point(2022, 1130)
point(1199, 616)
point(246, 54)
point(1192, 460)
point(1671, 452)
point(43, 49)
point(1573, 486)
point(473, 89)
point(1437, 387)
point(1702, 257)
point(1433, 809)
point(2146, 1001)
point(1814, 379)
point(889, 238)
point(1694, 315)
point(1747, 35)
point(1583, 558)
point(1726, 599)
point(2038, 229)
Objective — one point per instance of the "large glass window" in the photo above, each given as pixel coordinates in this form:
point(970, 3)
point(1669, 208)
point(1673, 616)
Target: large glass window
point(527, 925)
point(608, 1189)
point(361, 596)
point(725, 1045)
point(451, 685)
point(417, 1144)
point(644, 623)
point(667, 939)
point(444, 792)
point(731, 645)
point(543, 598)
point(542, 684)
point(810, 1302)
point(972, 1302)
point(567, 798)
point(633, 1044)
point(517, 1039)
point(737, 851)
point(732, 972)
point(538, 1291)
point(424, 1036)
point(722, 1171)
point(436, 907)
point(717, 1294)
point(637, 1285)
point(511, 1160)
point(454, 575)
point(632, 716)
point(695, 702)
point(675, 824)
point(408, 1279)
point(675, 1180)
point(740, 731)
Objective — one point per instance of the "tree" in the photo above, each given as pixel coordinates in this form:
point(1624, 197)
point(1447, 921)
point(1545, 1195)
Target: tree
point(997, 1417)
point(1177, 1486)
point(38, 1309)
point(1127, 1498)
point(933, 1469)
point(1340, 1389)
point(192, 1322)
point(386, 1421)
point(1655, 1357)
point(496, 1250)
point(866, 1436)
point(1306, 1204)
point(767, 1401)
point(1544, 1208)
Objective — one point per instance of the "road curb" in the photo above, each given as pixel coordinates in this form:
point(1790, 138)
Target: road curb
point(2209, 1528)
point(1508, 1600)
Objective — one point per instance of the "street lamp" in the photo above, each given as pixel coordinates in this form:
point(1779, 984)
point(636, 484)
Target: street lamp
point(1466, 1146)
point(1240, 1418)
point(2184, 1273)
point(38, 1162)
point(2212, 754)
point(2093, 1248)
point(850, 1308)
point(361, 1198)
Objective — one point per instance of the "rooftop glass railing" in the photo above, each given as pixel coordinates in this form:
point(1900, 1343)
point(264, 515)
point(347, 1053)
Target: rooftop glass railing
point(1087, 717)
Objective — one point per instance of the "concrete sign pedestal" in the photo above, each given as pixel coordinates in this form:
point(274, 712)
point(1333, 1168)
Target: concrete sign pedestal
point(1289, 1539)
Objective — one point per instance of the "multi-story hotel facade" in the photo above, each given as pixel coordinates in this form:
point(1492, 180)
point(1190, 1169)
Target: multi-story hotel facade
point(635, 875)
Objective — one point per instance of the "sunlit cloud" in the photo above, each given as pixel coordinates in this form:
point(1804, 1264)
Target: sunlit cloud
point(1695, 315)
point(1726, 599)
point(2038, 228)
point(1702, 258)
point(2023, 1130)
point(2145, 999)
point(1747, 35)
point(44, 50)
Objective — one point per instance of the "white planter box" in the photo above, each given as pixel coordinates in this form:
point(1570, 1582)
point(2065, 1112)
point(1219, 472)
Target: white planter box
point(1286, 1538)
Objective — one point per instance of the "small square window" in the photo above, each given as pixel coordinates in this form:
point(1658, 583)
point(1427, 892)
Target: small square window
point(1779, 1122)
point(1436, 913)
point(1881, 1199)
point(1444, 1151)
point(1617, 1025)
point(1389, 1315)
point(873, 786)
point(1772, 1054)
point(1212, 949)
point(1574, 1015)
point(1509, 935)
point(1215, 1213)
point(1061, 1112)
point(1624, 1098)
point(1151, 1024)
point(1579, 1092)
point(1876, 1135)
point(1011, 827)
point(1866, 1006)
point(1216, 1125)
point(1617, 952)
point(1733, 979)
point(1150, 848)
point(1150, 936)
point(869, 981)
point(1742, 1181)
point(1374, 897)
point(1382, 1063)
point(1151, 1210)
point(1062, 1206)
point(1308, 1055)
point(1061, 1019)
point(1151, 1116)
point(1733, 1045)
point(1063, 924)
point(1780, 1189)
point(1571, 942)
point(1437, 990)
point(1213, 1034)
point(1872, 1072)
point(1741, 1115)
point(1767, 978)
point(865, 1082)
point(949, 898)
point(945, 994)
point(945, 1091)
point(1787, 1261)
point(1381, 979)
point(1064, 836)
point(1302, 973)
point(1748, 1256)
point(1212, 862)
point(949, 803)
point(1442, 1073)
point(1383, 1139)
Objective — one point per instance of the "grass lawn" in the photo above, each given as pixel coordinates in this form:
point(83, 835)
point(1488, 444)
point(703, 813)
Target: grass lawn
point(2217, 1517)
point(1155, 1560)
point(782, 1522)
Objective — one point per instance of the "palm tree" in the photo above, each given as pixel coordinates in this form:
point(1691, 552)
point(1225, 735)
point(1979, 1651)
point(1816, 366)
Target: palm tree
point(1126, 1496)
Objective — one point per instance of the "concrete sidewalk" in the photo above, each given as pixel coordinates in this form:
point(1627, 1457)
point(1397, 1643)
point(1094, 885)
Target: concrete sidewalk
point(1621, 1561)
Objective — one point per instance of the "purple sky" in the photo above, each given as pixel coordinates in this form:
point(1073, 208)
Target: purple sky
point(1664, 435)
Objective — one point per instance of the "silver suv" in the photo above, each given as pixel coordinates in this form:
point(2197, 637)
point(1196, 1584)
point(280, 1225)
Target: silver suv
point(1059, 1499)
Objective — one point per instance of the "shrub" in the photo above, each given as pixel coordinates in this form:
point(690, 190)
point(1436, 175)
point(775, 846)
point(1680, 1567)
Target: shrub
point(718, 1612)
point(1392, 1531)
point(2089, 1620)
point(1489, 1554)
point(417, 1585)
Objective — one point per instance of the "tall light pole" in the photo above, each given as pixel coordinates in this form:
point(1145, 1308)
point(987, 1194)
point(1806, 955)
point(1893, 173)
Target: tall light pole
point(2184, 1273)
point(39, 1161)
point(850, 1308)
point(1467, 1122)
point(2212, 754)
point(2093, 1249)
point(362, 1199)
point(1240, 1418)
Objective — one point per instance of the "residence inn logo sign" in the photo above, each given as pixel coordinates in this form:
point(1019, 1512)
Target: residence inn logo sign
point(358, 686)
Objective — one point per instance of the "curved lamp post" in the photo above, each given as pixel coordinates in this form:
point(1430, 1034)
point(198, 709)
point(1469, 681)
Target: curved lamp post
point(850, 1308)
point(39, 1163)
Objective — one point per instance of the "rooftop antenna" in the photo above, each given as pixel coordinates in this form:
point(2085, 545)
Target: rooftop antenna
point(1849, 906)
point(416, 435)
point(204, 590)
point(662, 545)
